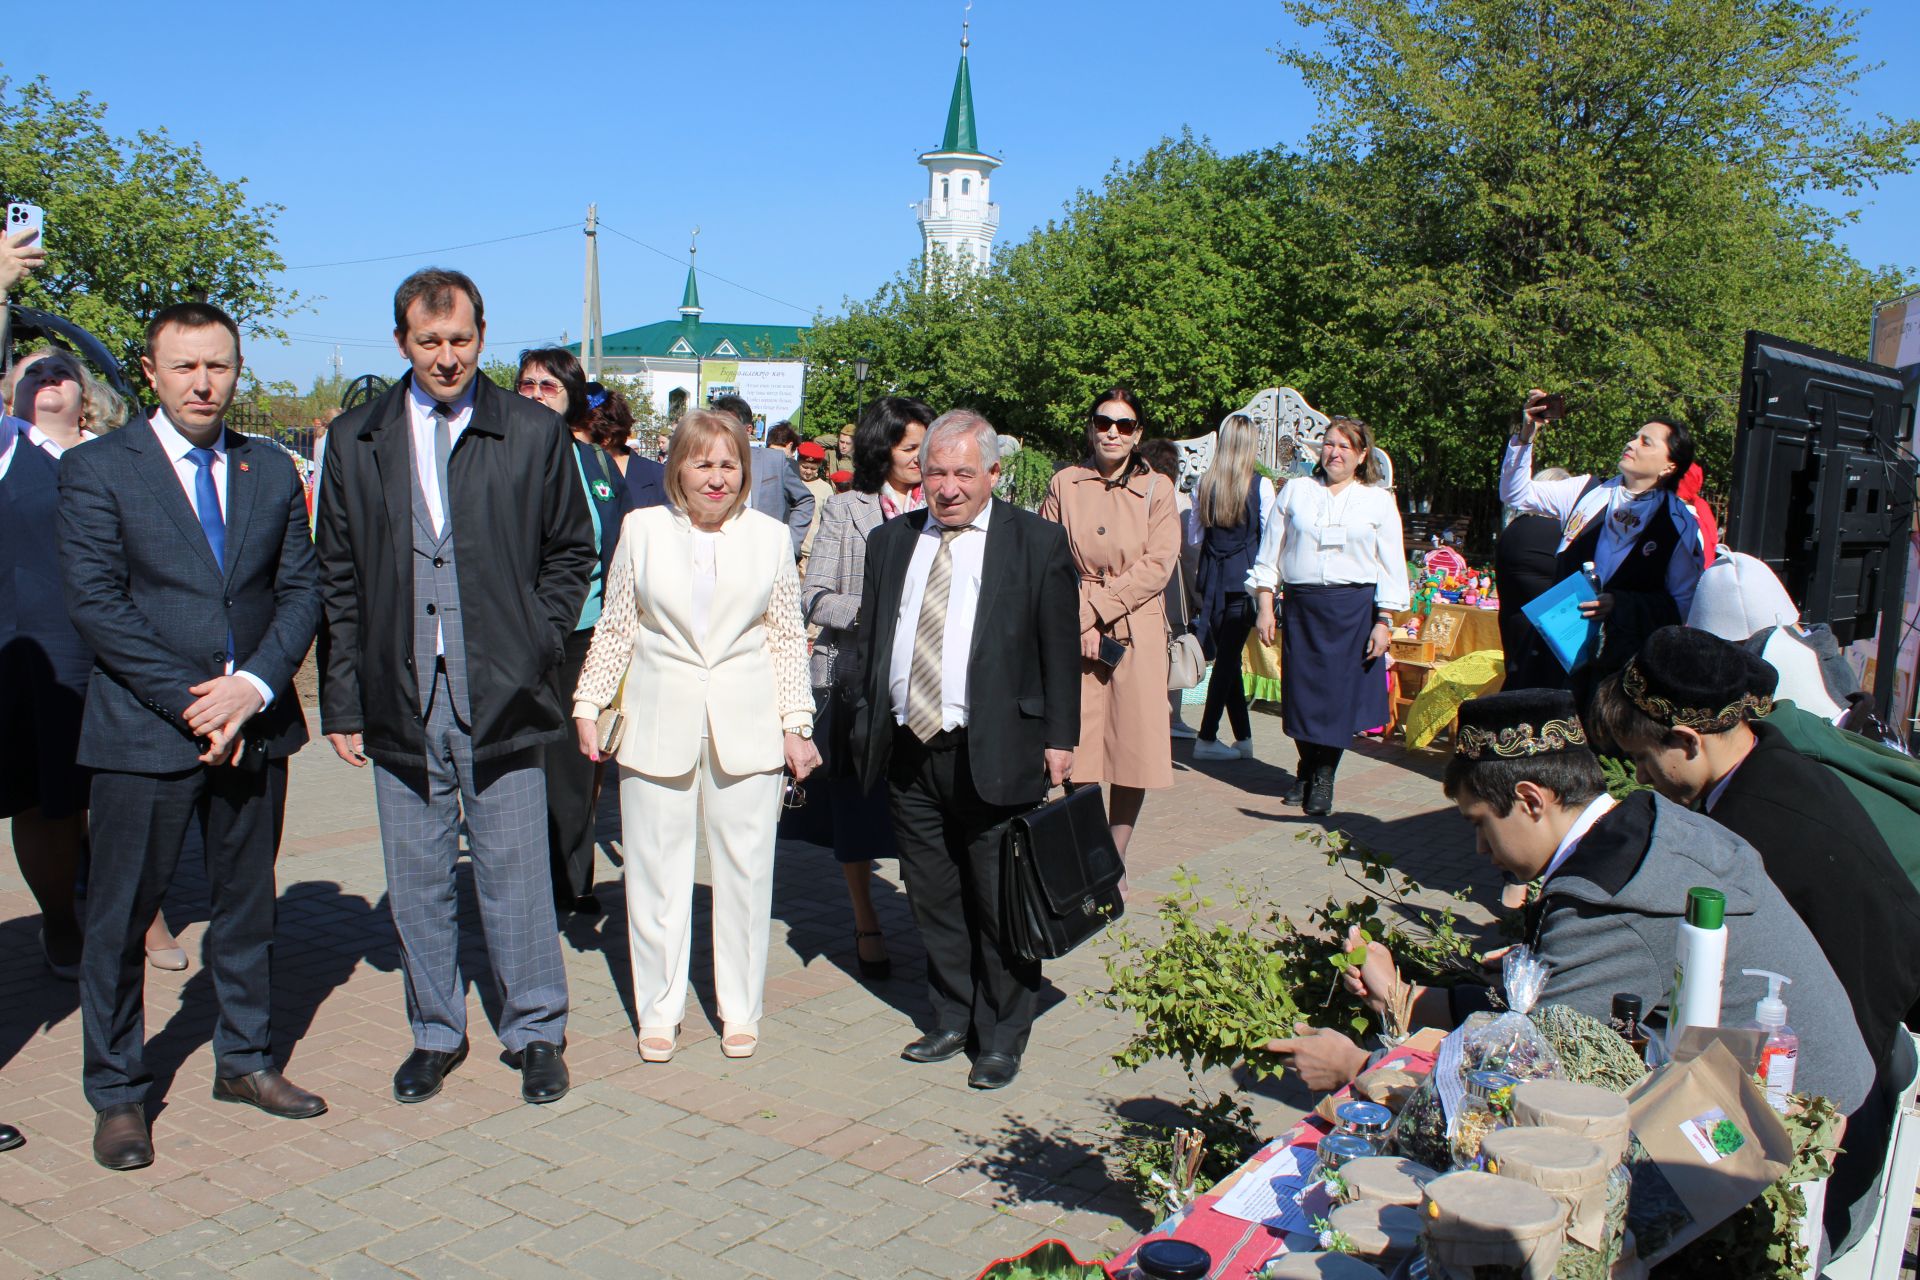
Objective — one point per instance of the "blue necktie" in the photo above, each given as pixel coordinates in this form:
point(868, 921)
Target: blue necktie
point(206, 496)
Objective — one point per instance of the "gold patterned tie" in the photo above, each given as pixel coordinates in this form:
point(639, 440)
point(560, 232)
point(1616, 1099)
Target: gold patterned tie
point(924, 696)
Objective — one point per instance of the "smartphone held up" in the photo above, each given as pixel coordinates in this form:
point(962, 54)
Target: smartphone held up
point(26, 220)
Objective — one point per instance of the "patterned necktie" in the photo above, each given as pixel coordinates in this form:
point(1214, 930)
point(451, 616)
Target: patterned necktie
point(206, 497)
point(442, 450)
point(924, 697)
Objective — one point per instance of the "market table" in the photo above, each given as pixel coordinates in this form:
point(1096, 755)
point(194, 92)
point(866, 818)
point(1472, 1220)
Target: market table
point(1240, 1248)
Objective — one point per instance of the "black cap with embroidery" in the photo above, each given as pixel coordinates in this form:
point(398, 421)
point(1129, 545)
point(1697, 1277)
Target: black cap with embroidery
point(1525, 722)
point(1685, 676)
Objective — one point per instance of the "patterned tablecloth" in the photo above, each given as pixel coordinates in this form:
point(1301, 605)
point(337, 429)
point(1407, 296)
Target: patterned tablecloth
point(1238, 1248)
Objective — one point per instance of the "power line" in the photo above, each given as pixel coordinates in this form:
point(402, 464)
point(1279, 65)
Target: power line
point(714, 275)
point(394, 257)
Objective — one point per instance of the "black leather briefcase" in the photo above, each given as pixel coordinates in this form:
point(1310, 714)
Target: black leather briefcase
point(1059, 878)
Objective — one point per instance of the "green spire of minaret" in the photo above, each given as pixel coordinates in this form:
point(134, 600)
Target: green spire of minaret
point(960, 135)
point(690, 296)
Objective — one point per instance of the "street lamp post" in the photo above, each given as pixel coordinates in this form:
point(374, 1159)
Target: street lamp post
point(860, 367)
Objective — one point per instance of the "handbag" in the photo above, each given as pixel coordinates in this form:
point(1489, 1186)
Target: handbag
point(611, 725)
point(1059, 877)
point(1186, 660)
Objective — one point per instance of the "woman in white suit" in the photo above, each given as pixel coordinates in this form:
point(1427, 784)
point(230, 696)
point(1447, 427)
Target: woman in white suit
point(702, 623)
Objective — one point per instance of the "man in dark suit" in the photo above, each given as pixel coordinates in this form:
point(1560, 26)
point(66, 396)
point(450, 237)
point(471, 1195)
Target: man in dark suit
point(190, 575)
point(970, 711)
point(455, 550)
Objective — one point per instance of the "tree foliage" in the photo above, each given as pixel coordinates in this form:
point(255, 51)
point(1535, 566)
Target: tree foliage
point(1597, 196)
point(133, 224)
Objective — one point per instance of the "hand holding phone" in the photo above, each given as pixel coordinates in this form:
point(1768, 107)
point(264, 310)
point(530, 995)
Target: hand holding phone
point(25, 220)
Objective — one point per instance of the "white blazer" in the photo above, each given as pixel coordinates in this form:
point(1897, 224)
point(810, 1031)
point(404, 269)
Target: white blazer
point(744, 683)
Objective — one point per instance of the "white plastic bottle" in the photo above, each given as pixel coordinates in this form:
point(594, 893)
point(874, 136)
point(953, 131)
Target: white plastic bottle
point(1699, 965)
point(1781, 1054)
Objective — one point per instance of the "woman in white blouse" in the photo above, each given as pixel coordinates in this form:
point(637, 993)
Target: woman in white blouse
point(701, 646)
point(1334, 542)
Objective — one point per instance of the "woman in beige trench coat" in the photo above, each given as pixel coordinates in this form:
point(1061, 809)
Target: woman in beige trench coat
point(1124, 530)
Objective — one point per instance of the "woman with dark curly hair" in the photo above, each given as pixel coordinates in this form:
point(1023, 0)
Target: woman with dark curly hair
point(886, 452)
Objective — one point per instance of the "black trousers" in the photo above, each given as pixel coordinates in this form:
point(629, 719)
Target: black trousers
point(570, 776)
point(1226, 690)
point(949, 840)
point(139, 821)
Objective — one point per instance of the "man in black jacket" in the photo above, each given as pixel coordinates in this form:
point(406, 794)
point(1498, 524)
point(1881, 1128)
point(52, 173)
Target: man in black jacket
point(1690, 710)
point(971, 711)
point(190, 575)
point(455, 550)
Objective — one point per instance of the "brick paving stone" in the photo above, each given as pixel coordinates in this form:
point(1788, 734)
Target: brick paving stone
point(823, 1155)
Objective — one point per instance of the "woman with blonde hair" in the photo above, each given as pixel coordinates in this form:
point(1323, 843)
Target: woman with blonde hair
point(1334, 541)
point(1230, 506)
point(1124, 533)
point(701, 649)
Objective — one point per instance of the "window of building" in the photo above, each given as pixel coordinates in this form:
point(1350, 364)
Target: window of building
point(966, 185)
point(944, 193)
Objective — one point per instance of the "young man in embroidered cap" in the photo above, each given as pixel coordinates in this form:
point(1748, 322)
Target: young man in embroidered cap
point(1689, 709)
point(1616, 879)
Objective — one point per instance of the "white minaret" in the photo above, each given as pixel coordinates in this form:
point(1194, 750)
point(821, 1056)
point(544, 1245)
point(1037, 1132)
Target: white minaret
point(957, 215)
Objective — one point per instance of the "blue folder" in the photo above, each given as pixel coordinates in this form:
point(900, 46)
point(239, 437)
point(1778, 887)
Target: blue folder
point(1555, 614)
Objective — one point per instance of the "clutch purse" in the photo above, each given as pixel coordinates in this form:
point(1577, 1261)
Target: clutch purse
point(609, 729)
point(1060, 877)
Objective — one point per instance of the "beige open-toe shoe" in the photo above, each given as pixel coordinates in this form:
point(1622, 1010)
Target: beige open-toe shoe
point(657, 1044)
point(740, 1041)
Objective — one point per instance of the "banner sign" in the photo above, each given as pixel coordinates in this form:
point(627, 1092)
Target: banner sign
point(1896, 332)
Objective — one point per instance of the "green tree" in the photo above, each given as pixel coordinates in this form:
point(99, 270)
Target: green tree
point(1588, 195)
point(133, 224)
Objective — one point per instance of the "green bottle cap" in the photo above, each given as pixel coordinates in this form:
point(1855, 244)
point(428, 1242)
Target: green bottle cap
point(1706, 908)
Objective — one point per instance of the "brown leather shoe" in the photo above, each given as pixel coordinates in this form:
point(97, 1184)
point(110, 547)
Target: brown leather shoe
point(272, 1092)
point(121, 1139)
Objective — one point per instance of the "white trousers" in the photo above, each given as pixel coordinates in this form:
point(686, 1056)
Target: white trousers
point(661, 820)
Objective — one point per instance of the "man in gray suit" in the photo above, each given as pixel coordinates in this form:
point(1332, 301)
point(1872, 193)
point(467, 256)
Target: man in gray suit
point(190, 575)
point(455, 548)
point(778, 490)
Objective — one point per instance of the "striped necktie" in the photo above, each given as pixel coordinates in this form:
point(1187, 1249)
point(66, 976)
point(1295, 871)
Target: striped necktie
point(924, 697)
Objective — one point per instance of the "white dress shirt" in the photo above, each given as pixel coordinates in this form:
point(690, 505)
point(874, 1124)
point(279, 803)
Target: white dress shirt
point(185, 469)
point(1315, 537)
point(1597, 808)
point(12, 429)
point(420, 410)
point(968, 553)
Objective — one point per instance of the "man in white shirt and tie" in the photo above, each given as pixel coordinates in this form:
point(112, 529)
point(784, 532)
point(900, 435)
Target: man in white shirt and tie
point(455, 548)
point(190, 574)
point(970, 711)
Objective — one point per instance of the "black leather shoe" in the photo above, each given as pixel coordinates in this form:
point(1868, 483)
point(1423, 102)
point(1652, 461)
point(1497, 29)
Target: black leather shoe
point(1296, 792)
point(543, 1073)
point(121, 1139)
point(1320, 793)
point(935, 1046)
point(993, 1071)
point(272, 1092)
point(10, 1138)
point(424, 1071)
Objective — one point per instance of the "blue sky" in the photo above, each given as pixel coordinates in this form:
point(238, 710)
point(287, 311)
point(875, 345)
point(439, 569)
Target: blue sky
point(787, 132)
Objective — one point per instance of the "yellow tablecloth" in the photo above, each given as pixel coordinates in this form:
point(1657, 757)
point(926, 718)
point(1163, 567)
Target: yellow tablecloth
point(1260, 674)
point(1451, 684)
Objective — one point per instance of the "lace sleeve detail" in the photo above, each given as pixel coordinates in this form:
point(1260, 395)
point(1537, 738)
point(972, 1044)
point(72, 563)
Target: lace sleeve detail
point(612, 649)
point(787, 643)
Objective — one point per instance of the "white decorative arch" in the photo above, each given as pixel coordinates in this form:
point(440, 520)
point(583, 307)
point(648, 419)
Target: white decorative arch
point(1290, 434)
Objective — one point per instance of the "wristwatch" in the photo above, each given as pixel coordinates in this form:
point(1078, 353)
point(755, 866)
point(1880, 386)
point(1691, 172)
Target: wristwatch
point(804, 731)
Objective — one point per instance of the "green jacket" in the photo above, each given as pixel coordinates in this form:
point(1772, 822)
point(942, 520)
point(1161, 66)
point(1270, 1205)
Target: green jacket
point(1886, 783)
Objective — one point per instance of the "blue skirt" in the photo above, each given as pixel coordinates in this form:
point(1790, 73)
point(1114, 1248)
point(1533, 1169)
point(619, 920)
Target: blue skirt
point(1328, 689)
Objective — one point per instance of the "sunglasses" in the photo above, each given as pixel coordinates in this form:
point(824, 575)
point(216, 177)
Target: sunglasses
point(793, 795)
point(1125, 426)
point(533, 386)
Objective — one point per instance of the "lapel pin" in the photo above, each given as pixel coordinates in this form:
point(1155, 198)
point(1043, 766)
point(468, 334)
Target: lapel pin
point(243, 466)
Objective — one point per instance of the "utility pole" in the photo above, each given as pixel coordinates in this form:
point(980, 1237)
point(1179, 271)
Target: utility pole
point(591, 339)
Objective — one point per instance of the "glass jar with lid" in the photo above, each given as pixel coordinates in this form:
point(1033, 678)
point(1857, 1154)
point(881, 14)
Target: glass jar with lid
point(1487, 1105)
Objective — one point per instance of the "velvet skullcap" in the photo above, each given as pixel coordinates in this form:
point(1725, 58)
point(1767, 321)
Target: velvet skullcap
point(1525, 722)
point(1685, 676)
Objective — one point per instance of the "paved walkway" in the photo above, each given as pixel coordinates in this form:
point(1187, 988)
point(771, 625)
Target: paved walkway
point(824, 1155)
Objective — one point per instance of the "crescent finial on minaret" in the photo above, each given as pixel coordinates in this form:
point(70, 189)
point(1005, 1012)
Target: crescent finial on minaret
point(965, 21)
point(693, 243)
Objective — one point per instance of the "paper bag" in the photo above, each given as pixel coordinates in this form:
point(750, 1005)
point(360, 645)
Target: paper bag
point(1705, 1142)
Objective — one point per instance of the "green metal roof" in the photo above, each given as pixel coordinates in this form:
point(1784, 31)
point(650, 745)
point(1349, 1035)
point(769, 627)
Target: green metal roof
point(960, 135)
point(690, 299)
point(706, 339)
